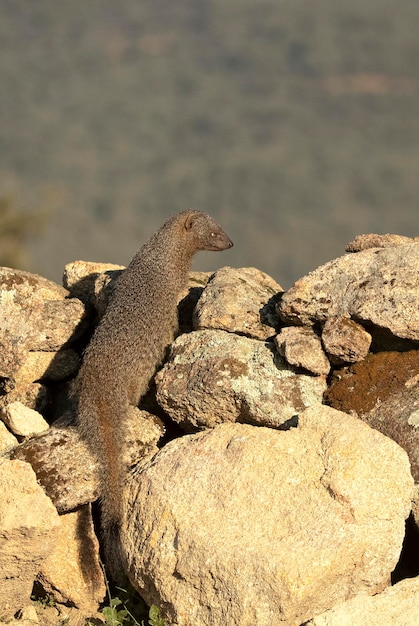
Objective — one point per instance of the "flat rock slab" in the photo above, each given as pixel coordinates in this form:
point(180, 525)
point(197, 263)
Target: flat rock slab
point(377, 287)
point(213, 376)
point(251, 526)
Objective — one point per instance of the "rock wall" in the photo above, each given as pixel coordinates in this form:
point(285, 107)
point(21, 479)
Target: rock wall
point(274, 458)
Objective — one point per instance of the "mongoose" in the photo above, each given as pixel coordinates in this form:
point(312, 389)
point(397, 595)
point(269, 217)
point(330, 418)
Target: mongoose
point(127, 348)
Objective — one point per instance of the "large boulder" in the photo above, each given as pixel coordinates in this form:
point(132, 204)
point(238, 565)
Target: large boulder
point(377, 287)
point(252, 526)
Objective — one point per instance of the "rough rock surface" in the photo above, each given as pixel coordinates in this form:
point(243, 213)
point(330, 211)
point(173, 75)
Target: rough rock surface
point(67, 469)
point(80, 277)
point(29, 526)
point(377, 287)
point(71, 573)
point(24, 421)
point(212, 376)
point(367, 384)
point(344, 340)
point(254, 526)
point(337, 533)
point(7, 440)
point(44, 365)
point(415, 506)
point(27, 617)
point(63, 465)
point(240, 301)
point(398, 418)
point(36, 313)
point(33, 395)
point(364, 242)
point(301, 347)
point(395, 606)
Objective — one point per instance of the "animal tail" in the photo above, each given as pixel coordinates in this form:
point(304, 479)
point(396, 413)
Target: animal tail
point(113, 471)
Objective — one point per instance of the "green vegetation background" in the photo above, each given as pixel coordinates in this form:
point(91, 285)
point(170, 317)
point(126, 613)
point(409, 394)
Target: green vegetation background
point(294, 122)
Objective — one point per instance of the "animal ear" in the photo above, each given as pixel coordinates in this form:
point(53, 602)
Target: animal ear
point(190, 221)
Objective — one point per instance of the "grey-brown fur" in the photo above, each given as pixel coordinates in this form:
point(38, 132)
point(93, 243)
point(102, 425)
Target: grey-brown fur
point(127, 348)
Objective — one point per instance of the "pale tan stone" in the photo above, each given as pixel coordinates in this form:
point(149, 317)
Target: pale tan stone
point(41, 365)
point(395, 606)
point(239, 300)
point(377, 287)
point(72, 573)
point(7, 439)
point(28, 529)
point(364, 242)
point(24, 421)
point(254, 526)
point(301, 347)
point(344, 340)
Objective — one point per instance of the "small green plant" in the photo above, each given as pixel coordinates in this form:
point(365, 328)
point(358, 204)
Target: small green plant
point(45, 601)
point(154, 618)
point(120, 612)
point(115, 616)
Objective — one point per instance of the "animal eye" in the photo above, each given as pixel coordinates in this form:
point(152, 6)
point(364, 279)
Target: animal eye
point(213, 235)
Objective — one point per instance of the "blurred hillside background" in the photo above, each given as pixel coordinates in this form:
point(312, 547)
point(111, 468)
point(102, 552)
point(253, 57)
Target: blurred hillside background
point(294, 122)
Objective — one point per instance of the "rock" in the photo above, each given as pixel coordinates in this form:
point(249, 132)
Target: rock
point(240, 301)
point(67, 469)
point(360, 387)
point(72, 573)
point(62, 323)
point(42, 365)
point(302, 348)
point(255, 526)
point(7, 440)
point(29, 526)
point(37, 320)
point(212, 376)
point(344, 340)
point(24, 421)
point(12, 350)
point(63, 465)
point(398, 418)
point(189, 298)
point(377, 288)
point(80, 277)
point(364, 242)
point(37, 313)
point(395, 606)
point(32, 395)
point(19, 286)
point(415, 506)
point(28, 616)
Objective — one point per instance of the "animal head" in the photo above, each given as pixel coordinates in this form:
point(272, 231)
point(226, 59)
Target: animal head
point(202, 232)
